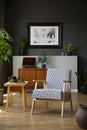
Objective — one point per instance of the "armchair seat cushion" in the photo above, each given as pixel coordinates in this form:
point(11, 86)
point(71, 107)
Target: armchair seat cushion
point(47, 94)
point(51, 94)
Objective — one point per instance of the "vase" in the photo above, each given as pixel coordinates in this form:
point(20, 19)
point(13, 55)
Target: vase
point(83, 89)
point(81, 116)
point(21, 52)
point(43, 65)
point(69, 53)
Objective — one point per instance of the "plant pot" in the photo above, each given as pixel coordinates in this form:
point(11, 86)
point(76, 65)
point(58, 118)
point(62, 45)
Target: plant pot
point(69, 53)
point(3, 76)
point(83, 89)
point(81, 116)
point(21, 52)
point(43, 65)
point(12, 79)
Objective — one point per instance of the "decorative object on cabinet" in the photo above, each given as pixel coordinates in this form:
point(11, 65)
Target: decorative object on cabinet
point(62, 54)
point(68, 48)
point(57, 86)
point(47, 35)
point(22, 46)
point(29, 62)
point(42, 60)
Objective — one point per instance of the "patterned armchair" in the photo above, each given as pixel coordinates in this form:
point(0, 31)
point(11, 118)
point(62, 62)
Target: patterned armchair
point(56, 87)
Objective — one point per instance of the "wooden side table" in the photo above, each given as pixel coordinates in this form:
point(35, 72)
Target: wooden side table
point(14, 86)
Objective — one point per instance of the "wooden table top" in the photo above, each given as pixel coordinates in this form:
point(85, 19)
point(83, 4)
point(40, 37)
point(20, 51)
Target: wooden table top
point(15, 84)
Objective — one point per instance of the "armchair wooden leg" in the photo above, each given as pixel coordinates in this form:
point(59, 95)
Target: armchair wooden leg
point(62, 108)
point(71, 105)
point(32, 107)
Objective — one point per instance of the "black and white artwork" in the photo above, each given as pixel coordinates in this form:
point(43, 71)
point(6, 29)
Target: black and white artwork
point(45, 35)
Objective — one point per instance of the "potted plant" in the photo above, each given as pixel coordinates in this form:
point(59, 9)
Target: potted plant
point(22, 45)
point(42, 60)
point(82, 82)
point(5, 52)
point(69, 48)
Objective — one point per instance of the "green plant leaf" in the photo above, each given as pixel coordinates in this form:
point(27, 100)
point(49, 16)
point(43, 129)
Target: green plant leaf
point(5, 35)
point(68, 47)
point(5, 47)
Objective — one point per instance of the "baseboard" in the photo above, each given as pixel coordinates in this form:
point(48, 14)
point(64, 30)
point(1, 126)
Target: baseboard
point(74, 90)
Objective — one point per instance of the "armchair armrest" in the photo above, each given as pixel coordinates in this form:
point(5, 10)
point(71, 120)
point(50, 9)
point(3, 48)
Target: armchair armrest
point(37, 81)
point(67, 81)
point(67, 85)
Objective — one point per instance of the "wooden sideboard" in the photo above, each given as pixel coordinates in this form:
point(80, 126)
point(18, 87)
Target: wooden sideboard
point(30, 74)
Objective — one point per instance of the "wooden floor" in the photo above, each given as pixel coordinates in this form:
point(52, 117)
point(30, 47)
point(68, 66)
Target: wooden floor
point(43, 118)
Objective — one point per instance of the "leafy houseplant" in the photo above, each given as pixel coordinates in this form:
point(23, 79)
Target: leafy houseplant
point(69, 48)
point(5, 51)
point(22, 45)
point(82, 81)
point(42, 59)
point(5, 54)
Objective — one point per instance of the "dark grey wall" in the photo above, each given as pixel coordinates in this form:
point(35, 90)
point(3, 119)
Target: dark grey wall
point(71, 13)
point(2, 12)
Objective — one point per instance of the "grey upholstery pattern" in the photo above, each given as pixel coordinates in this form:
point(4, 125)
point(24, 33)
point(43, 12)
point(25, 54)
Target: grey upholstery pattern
point(47, 94)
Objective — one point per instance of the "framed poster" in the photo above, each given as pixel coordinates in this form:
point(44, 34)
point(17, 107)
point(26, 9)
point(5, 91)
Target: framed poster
point(45, 35)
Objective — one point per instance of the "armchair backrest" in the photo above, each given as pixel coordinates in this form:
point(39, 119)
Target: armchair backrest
point(56, 76)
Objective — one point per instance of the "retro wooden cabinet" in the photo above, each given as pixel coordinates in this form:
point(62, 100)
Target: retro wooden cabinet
point(31, 74)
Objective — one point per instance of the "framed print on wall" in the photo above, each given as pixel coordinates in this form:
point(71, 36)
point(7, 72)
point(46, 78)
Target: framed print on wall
point(47, 35)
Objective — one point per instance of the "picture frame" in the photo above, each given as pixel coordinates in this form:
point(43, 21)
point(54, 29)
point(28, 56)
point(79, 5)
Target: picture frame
point(45, 35)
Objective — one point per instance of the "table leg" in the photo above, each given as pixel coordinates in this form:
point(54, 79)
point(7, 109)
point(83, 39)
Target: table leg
point(8, 90)
point(23, 98)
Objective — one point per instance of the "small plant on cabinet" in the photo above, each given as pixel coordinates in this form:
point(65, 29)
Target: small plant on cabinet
point(69, 48)
point(42, 59)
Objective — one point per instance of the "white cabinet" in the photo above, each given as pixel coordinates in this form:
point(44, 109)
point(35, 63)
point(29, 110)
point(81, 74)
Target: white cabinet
point(70, 62)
